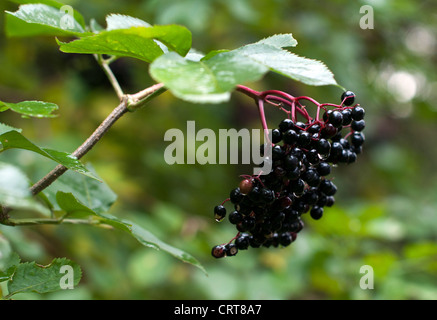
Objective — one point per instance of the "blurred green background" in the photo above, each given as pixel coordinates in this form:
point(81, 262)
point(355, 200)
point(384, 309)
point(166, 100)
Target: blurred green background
point(385, 215)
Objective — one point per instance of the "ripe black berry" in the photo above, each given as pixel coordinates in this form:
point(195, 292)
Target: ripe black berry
point(290, 136)
point(335, 118)
point(235, 217)
point(328, 131)
point(219, 212)
point(358, 125)
point(276, 136)
point(328, 187)
point(324, 168)
point(358, 113)
point(357, 139)
point(316, 212)
point(236, 196)
point(285, 239)
point(323, 147)
point(285, 125)
point(348, 98)
point(347, 117)
point(304, 139)
point(242, 242)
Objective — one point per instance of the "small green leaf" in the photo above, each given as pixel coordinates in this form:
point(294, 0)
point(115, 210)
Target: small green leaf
point(31, 277)
point(41, 19)
point(14, 190)
point(37, 109)
point(135, 42)
point(15, 140)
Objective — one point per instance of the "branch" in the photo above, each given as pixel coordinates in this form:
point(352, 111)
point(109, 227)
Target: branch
point(104, 64)
point(95, 137)
point(128, 103)
point(47, 221)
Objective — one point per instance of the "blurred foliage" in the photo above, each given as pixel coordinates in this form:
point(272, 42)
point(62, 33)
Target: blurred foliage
point(385, 215)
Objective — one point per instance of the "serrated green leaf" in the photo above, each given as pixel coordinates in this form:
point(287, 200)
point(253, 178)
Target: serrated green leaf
point(212, 79)
point(14, 190)
point(31, 277)
point(37, 109)
point(41, 19)
point(308, 71)
point(135, 42)
point(15, 140)
point(280, 41)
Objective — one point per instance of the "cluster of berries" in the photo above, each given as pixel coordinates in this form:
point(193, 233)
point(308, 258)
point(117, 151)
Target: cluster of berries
point(268, 208)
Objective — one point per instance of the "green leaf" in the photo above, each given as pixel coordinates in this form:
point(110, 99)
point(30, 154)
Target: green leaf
point(72, 207)
point(148, 239)
point(76, 209)
point(135, 42)
point(280, 41)
point(56, 4)
point(206, 80)
point(5, 128)
point(37, 109)
point(97, 196)
point(14, 139)
point(14, 190)
point(41, 19)
point(31, 277)
point(212, 79)
point(120, 21)
point(308, 71)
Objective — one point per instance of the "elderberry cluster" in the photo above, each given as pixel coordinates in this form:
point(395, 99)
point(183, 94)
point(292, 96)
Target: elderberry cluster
point(268, 208)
